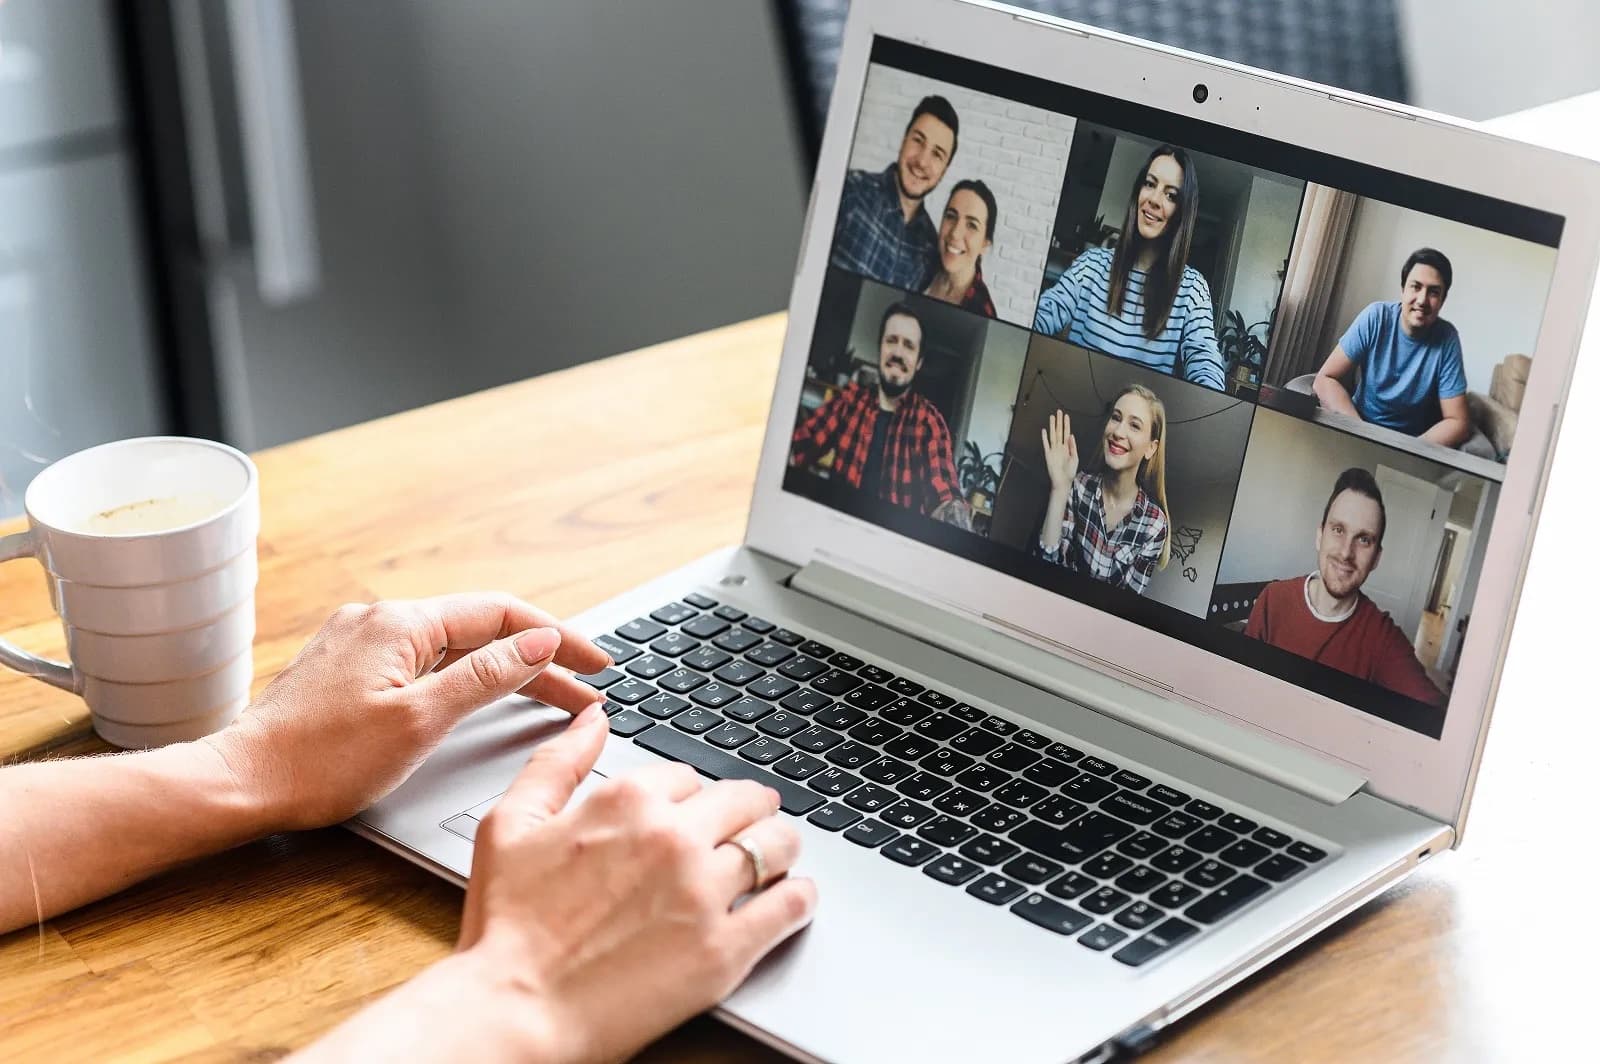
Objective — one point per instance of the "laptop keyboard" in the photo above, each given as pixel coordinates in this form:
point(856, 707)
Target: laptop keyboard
point(1068, 841)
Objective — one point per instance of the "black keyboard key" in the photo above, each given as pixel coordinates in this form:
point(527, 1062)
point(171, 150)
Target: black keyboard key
point(787, 638)
point(715, 695)
point(720, 765)
point(998, 818)
point(1134, 807)
point(729, 735)
point(1174, 859)
point(849, 662)
point(1078, 841)
point(696, 721)
point(871, 833)
point(672, 613)
point(975, 742)
point(782, 724)
point(1203, 810)
point(1063, 752)
point(1011, 757)
point(999, 725)
point(996, 889)
point(970, 714)
point(875, 731)
point(770, 655)
point(736, 641)
point(706, 659)
point(764, 751)
point(674, 644)
point(799, 766)
point(870, 698)
point(1243, 853)
point(602, 679)
point(1020, 794)
point(904, 712)
point(663, 706)
point(1304, 851)
point(906, 814)
point(816, 740)
point(650, 666)
point(1050, 915)
point(1106, 865)
point(802, 669)
point(706, 627)
point(873, 674)
point(834, 782)
point(1058, 811)
point(1279, 868)
point(836, 683)
point(936, 699)
point(1087, 788)
point(989, 850)
point(1032, 869)
point(940, 727)
point(1176, 825)
point(628, 723)
point(887, 771)
point(840, 716)
point(1097, 766)
point(1131, 780)
point(870, 798)
point(1048, 773)
point(619, 650)
point(759, 625)
point(947, 831)
point(1209, 874)
point(909, 747)
point(737, 673)
point(1173, 894)
point(629, 692)
point(1140, 879)
point(902, 686)
point(1239, 825)
point(1102, 937)
point(640, 630)
point(731, 613)
point(694, 598)
point(852, 755)
point(1139, 915)
point(1162, 793)
point(907, 850)
point(682, 681)
point(1155, 942)
point(946, 762)
point(1268, 837)
point(1227, 899)
point(982, 777)
point(834, 817)
point(923, 786)
point(1031, 739)
point(951, 869)
point(1142, 845)
point(958, 801)
point(815, 648)
point(1103, 901)
point(747, 709)
point(805, 701)
point(1071, 885)
point(1210, 839)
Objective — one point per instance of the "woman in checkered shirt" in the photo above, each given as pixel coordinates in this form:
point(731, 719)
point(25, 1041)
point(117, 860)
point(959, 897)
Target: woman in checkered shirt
point(1110, 521)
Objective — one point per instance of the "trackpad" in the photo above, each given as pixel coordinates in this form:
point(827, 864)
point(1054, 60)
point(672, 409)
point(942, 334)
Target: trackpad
point(481, 810)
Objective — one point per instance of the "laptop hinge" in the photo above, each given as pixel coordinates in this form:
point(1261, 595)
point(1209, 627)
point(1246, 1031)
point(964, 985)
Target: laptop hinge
point(1088, 680)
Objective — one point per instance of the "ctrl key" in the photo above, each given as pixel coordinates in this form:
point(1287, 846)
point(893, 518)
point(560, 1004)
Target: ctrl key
point(1156, 942)
point(1050, 915)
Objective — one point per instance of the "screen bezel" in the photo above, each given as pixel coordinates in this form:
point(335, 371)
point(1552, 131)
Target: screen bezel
point(1426, 774)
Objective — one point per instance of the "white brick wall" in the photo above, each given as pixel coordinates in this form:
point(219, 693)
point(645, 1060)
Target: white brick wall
point(1020, 152)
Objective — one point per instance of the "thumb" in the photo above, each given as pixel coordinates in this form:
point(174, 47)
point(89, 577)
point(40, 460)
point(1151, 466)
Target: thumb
point(490, 672)
point(546, 782)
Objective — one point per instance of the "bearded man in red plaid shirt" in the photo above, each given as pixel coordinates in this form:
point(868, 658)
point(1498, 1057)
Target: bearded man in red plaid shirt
point(887, 438)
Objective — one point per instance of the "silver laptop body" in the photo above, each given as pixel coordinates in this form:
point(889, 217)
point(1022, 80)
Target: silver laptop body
point(1173, 695)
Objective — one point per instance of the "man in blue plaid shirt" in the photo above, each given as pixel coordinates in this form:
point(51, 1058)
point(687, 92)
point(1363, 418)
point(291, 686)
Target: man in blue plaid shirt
point(884, 230)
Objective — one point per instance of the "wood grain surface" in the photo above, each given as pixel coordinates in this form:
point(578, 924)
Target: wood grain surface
point(570, 488)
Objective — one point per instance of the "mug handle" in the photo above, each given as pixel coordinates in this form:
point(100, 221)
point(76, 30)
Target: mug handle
point(55, 673)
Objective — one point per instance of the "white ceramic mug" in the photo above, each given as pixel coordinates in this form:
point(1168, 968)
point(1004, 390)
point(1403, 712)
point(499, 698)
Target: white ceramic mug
point(149, 550)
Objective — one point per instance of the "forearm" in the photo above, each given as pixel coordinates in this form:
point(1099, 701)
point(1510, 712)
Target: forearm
point(1055, 512)
point(78, 829)
point(1331, 394)
point(461, 1008)
point(1451, 432)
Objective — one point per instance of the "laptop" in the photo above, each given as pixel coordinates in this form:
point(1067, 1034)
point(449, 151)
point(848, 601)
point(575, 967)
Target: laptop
point(1152, 469)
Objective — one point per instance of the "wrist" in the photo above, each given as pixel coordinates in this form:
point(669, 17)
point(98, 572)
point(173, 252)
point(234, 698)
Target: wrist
point(505, 994)
point(240, 778)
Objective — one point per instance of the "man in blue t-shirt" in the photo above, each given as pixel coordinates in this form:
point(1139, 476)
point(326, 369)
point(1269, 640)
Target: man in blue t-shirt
point(1412, 378)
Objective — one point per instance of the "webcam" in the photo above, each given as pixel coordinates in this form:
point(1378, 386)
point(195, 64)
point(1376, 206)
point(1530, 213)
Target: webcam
point(1201, 92)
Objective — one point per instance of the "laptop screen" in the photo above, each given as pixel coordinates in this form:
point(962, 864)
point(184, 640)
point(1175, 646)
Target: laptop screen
point(1251, 396)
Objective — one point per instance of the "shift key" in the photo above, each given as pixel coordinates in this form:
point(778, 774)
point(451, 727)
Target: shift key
point(718, 765)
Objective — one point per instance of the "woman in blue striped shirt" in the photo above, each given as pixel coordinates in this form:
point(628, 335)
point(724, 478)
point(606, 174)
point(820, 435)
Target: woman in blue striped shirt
point(1142, 301)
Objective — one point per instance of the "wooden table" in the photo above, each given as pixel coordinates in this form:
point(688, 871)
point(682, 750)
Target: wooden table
point(572, 487)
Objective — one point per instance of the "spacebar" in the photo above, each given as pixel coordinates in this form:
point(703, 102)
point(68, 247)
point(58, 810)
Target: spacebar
point(721, 766)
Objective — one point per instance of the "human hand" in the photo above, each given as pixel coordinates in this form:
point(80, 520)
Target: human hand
point(615, 916)
point(1060, 452)
point(379, 687)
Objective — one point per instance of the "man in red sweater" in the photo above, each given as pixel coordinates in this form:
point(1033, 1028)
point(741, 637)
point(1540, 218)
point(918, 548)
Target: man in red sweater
point(1325, 617)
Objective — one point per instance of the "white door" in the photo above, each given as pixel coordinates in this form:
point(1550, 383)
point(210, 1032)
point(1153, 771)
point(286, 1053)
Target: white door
point(1416, 511)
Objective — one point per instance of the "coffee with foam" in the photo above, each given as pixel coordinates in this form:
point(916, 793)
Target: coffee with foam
point(154, 515)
